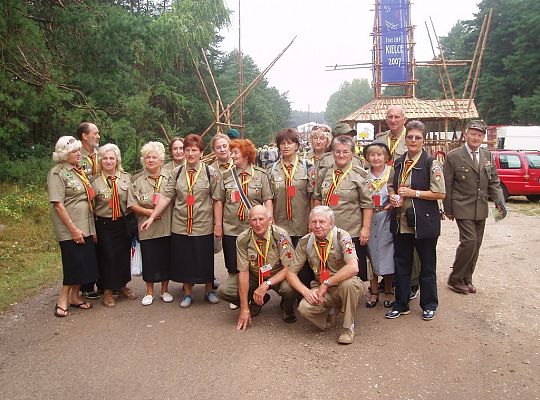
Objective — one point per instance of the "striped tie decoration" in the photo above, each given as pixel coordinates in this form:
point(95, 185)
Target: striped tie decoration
point(242, 208)
point(114, 203)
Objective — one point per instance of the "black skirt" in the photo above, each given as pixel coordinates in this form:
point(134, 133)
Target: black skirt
point(79, 261)
point(229, 253)
point(113, 253)
point(192, 258)
point(156, 259)
point(361, 253)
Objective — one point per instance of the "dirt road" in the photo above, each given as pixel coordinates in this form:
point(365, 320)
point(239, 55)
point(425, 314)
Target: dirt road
point(482, 346)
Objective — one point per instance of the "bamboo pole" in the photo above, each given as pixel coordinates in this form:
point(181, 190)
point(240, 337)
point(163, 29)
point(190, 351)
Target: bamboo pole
point(478, 41)
point(250, 86)
point(437, 65)
point(477, 72)
point(202, 82)
point(444, 65)
point(212, 78)
point(240, 74)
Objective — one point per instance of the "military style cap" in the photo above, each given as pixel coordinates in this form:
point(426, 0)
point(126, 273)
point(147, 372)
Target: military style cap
point(343, 129)
point(477, 124)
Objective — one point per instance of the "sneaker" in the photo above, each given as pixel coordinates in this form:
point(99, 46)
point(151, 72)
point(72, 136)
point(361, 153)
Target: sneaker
point(414, 293)
point(91, 295)
point(211, 297)
point(346, 337)
point(428, 315)
point(186, 301)
point(395, 314)
point(233, 306)
point(147, 300)
point(166, 297)
point(215, 284)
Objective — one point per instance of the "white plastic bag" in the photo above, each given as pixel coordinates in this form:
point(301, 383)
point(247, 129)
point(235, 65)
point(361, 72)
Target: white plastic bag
point(136, 258)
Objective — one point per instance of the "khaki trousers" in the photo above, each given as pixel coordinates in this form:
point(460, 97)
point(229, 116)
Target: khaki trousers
point(343, 296)
point(471, 233)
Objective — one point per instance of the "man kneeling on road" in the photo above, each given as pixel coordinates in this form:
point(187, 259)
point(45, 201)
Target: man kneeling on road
point(264, 251)
point(332, 256)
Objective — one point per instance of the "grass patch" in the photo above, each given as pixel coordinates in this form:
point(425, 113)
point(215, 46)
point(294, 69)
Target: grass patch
point(522, 206)
point(29, 254)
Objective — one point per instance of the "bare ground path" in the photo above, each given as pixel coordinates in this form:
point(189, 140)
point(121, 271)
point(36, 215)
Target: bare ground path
point(482, 346)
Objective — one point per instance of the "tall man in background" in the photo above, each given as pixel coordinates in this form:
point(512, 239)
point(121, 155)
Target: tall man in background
point(470, 176)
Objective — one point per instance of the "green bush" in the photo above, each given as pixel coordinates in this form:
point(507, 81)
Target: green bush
point(28, 171)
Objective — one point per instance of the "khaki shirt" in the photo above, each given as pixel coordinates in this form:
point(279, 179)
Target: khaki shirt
point(304, 182)
point(87, 163)
point(140, 193)
point(280, 251)
point(401, 147)
point(258, 192)
point(341, 252)
point(353, 196)
point(206, 188)
point(436, 185)
point(221, 167)
point(104, 193)
point(171, 165)
point(65, 187)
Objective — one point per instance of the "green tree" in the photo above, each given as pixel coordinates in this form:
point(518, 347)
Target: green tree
point(350, 97)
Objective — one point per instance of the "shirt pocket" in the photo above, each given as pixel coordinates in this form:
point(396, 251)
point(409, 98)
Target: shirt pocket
point(463, 173)
point(255, 189)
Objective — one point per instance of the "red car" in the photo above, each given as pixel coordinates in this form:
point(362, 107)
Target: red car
point(519, 172)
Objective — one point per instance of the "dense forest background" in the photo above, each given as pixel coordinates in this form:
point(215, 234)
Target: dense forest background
point(126, 65)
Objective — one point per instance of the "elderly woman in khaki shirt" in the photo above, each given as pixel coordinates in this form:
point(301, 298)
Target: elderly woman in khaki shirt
point(176, 150)
point(70, 195)
point(114, 245)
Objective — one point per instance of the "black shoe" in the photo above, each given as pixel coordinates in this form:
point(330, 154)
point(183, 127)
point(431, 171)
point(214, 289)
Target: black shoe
point(254, 308)
point(414, 293)
point(91, 295)
point(371, 304)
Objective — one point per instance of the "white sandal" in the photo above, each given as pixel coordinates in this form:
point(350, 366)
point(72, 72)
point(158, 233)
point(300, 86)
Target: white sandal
point(147, 300)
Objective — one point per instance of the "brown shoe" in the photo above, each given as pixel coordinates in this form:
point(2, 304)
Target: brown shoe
point(127, 293)
point(346, 337)
point(459, 288)
point(472, 289)
point(108, 300)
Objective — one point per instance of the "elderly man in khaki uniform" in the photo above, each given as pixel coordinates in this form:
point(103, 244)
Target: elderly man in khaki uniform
point(470, 176)
point(264, 252)
point(394, 137)
point(331, 254)
point(88, 134)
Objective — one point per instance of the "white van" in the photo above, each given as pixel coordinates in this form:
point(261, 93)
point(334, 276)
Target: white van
point(518, 137)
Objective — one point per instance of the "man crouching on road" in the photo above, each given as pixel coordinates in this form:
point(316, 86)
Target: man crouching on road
point(264, 251)
point(331, 254)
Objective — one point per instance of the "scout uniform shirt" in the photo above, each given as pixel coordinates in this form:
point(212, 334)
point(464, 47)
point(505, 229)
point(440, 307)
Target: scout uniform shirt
point(341, 252)
point(436, 185)
point(171, 165)
point(89, 163)
point(292, 197)
point(397, 147)
point(65, 186)
point(104, 193)
point(280, 251)
point(347, 198)
point(141, 192)
point(258, 192)
point(193, 209)
point(223, 167)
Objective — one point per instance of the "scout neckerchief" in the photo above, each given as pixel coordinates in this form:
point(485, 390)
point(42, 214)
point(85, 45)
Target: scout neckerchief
point(394, 146)
point(226, 166)
point(91, 158)
point(156, 185)
point(289, 171)
point(261, 257)
point(114, 202)
point(244, 189)
point(87, 186)
point(378, 183)
point(323, 249)
point(190, 199)
point(337, 177)
point(409, 165)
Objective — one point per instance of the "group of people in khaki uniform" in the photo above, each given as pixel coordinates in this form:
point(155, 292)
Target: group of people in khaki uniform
point(300, 228)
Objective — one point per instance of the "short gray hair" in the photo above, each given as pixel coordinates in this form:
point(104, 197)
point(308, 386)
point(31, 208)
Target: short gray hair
point(344, 139)
point(217, 137)
point(323, 210)
point(105, 149)
point(416, 126)
point(156, 147)
point(64, 146)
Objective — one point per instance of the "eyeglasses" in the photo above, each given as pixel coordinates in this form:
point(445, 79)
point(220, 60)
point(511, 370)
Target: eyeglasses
point(414, 138)
point(342, 153)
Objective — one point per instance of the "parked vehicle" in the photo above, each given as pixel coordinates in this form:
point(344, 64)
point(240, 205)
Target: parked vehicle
point(519, 172)
point(518, 137)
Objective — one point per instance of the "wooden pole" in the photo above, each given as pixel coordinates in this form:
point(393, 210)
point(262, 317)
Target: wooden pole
point(444, 65)
point(434, 56)
point(477, 73)
point(240, 75)
point(212, 78)
point(474, 56)
point(377, 52)
point(202, 82)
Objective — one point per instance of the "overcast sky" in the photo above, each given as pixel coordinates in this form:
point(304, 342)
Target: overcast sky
point(329, 33)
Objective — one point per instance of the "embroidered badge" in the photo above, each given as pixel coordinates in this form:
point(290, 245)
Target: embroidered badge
point(349, 246)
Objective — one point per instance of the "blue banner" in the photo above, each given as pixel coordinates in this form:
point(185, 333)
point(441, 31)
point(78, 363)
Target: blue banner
point(394, 17)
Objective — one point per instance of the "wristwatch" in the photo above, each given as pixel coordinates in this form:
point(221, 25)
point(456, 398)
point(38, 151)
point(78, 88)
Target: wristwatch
point(269, 283)
point(326, 282)
point(417, 194)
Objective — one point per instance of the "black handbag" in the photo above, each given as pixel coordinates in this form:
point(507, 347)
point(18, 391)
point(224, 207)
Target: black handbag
point(409, 214)
point(132, 225)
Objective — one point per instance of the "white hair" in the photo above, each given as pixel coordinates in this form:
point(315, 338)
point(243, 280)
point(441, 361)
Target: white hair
point(323, 210)
point(156, 147)
point(105, 149)
point(64, 146)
